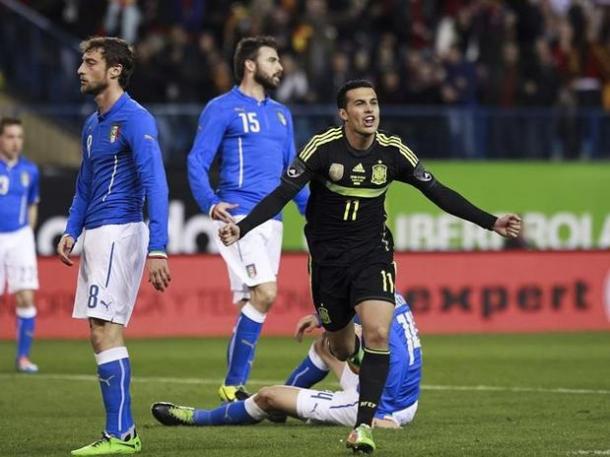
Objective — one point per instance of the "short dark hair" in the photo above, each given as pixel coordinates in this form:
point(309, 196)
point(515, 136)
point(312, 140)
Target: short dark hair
point(349, 85)
point(247, 49)
point(8, 121)
point(116, 52)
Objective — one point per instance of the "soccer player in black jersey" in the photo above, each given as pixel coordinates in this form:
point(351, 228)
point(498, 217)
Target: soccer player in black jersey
point(349, 169)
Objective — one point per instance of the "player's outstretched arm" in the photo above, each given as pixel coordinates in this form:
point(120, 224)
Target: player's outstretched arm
point(508, 226)
point(64, 249)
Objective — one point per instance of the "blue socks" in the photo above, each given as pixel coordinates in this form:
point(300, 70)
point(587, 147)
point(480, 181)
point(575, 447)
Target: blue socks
point(26, 322)
point(235, 413)
point(311, 371)
point(240, 354)
point(114, 373)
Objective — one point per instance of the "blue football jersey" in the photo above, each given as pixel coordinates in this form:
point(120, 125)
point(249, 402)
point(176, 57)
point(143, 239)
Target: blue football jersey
point(19, 188)
point(402, 386)
point(255, 143)
point(121, 168)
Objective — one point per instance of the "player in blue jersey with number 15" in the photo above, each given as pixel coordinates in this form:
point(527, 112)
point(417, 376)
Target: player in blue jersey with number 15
point(253, 135)
point(121, 169)
point(19, 188)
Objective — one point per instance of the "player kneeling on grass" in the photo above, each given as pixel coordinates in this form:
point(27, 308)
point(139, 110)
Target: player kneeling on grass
point(398, 401)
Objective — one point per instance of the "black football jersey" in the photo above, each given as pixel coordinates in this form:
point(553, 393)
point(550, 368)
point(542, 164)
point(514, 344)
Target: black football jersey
point(346, 212)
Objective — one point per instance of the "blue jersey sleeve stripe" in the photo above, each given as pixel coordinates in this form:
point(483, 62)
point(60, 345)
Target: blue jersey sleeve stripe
point(114, 171)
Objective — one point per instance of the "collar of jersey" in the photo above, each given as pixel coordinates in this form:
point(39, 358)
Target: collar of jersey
point(357, 152)
point(240, 94)
point(117, 106)
point(8, 165)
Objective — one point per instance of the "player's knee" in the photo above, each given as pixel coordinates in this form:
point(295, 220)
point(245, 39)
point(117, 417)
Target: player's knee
point(24, 299)
point(264, 398)
point(97, 338)
point(376, 336)
point(263, 296)
point(341, 352)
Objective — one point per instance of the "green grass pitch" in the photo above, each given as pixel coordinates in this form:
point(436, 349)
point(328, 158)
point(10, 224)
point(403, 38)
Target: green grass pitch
point(499, 395)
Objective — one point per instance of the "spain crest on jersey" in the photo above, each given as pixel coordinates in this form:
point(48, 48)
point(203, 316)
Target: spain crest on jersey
point(282, 118)
point(380, 174)
point(25, 179)
point(115, 131)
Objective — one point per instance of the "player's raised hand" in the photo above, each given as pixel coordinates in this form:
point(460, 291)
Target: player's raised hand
point(305, 325)
point(220, 211)
point(64, 249)
point(508, 226)
point(229, 233)
point(158, 273)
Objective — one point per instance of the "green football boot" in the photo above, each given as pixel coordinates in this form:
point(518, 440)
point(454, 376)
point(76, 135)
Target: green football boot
point(170, 414)
point(109, 445)
point(361, 439)
point(232, 393)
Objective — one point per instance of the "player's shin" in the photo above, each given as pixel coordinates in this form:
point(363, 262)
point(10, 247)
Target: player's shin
point(373, 373)
point(310, 371)
point(114, 374)
point(26, 322)
point(243, 344)
point(235, 413)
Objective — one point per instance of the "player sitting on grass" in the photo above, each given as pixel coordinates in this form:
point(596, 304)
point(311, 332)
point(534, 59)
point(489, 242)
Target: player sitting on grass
point(397, 406)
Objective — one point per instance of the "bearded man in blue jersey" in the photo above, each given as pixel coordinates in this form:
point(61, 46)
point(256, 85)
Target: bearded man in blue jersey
point(253, 136)
point(19, 195)
point(121, 169)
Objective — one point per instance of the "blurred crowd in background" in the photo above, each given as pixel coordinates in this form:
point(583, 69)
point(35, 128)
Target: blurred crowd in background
point(424, 52)
point(474, 79)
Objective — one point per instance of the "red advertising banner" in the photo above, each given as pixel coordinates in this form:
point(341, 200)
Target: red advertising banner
point(449, 293)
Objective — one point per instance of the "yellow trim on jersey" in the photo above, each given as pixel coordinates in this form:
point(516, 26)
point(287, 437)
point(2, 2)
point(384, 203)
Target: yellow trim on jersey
point(318, 140)
point(353, 192)
point(384, 140)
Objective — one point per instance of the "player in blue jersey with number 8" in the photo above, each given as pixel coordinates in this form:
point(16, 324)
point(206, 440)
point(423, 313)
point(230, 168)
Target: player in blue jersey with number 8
point(19, 195)
point(121, 169)
point(253, 136)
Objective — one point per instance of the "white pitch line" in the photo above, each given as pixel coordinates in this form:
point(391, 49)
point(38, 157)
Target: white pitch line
point(266, 382)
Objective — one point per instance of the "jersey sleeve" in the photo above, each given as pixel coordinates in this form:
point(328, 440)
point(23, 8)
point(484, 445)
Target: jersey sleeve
point(142, 138)
point(289, 154)
point(406, 161)
point(293, 180)
point(298, 174)
point(82, 196)
point(213, 123)
point(34, 190)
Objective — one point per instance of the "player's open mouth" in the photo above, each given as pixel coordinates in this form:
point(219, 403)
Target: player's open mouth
point(369, 121)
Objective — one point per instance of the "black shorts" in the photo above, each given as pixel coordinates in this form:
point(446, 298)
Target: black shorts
point(336, 290)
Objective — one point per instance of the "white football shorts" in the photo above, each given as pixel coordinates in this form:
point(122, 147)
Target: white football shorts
point(253, 260)
point(341, 407)
point(111, 266)
point(18, 261)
